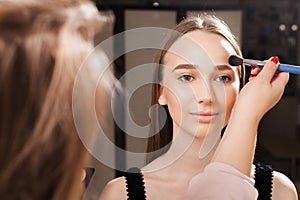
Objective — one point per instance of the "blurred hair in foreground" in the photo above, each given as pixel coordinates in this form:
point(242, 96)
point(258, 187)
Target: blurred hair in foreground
point(42, 46)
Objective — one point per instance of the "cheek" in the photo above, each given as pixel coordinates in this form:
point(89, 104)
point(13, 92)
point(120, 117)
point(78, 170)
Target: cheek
point(231, 100)
point(174, 106)
point(231, 95)
point(177, 100)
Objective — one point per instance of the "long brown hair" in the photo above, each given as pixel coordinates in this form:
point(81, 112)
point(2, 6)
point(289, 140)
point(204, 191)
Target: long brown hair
point(42, 45)
point(160, 142)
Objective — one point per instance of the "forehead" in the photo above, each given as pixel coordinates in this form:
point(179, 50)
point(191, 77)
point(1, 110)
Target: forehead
point(199, 48)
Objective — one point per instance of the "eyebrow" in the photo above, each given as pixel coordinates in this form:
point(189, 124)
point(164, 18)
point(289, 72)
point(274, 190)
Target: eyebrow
point(223, 67)
point(190, 66)
point(184, 66)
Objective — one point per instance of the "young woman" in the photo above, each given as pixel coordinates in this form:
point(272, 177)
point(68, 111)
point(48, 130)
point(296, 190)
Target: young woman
point(201, 95)
point(42, 46)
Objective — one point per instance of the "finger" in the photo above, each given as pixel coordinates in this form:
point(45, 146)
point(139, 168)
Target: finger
point(251, 77)
point(281, 79)
point(255, 70)
point(269, 69)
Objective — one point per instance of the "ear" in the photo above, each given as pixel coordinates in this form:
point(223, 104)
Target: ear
point(162, 98)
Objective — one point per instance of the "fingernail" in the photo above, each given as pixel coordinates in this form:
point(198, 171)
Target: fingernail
point(252, 76)
point(275, 59)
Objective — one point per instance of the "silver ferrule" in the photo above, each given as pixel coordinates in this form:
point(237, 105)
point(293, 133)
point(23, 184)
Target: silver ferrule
point(253, 62)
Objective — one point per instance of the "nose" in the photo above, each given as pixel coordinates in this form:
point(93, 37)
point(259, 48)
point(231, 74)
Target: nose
point(205, 99)
point(204, 93)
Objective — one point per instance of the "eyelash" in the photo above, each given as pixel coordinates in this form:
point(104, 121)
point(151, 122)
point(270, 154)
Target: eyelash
point(222, 77)
point(185, 78)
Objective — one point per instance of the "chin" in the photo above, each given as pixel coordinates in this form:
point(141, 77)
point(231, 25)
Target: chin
point(205, 130)
point(201, 133)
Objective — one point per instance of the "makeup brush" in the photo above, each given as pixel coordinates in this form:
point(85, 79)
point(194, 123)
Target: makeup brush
point(235, 60)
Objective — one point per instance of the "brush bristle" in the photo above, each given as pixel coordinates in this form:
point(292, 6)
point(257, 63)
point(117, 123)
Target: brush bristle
point(235, 60)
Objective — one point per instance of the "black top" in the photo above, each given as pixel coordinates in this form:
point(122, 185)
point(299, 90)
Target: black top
point(135, 184)
point(263, 183)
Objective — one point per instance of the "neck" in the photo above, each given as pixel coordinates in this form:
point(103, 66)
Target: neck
point(192, 159)
point(185, 157)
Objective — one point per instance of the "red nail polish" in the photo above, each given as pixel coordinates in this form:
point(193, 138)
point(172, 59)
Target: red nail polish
point(275, 59)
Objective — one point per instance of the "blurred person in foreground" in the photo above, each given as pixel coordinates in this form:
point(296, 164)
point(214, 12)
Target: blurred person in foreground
point(42, 47)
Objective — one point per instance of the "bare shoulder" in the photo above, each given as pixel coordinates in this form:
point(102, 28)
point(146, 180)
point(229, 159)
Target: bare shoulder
point(115, 190)
point(283, 187)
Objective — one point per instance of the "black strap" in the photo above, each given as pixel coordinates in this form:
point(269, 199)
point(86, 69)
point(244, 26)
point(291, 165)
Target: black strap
point(135, 184)
point(263, 181)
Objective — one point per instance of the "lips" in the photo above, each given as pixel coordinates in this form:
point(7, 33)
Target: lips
point(205, 117)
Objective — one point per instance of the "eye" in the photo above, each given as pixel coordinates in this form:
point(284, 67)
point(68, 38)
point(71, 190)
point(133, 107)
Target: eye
point(224, 79)
point(186, 78)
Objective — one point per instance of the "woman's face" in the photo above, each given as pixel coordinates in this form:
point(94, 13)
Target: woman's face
point(199, 86)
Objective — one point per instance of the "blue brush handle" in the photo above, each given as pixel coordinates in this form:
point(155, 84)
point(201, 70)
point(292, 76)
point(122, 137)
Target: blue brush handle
point(289, 68)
